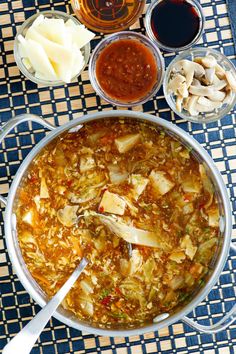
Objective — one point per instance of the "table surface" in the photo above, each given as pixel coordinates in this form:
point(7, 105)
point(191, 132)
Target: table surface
point(58, 105)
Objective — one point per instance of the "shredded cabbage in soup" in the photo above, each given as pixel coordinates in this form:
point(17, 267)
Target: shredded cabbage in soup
point(149, 225)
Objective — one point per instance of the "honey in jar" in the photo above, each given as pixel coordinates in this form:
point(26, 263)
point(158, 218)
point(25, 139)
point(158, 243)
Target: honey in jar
point(107, 16)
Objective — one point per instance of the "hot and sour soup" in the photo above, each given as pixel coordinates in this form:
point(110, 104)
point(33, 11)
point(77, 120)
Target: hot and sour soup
point(151, 187)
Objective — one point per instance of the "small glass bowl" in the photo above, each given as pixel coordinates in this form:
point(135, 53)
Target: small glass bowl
point(201, 118)
point(116, 37)
point(108, 16)
point(23, 29)
point(151, 35)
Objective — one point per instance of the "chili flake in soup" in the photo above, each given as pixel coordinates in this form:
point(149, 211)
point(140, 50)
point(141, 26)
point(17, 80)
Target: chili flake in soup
point(130, 181)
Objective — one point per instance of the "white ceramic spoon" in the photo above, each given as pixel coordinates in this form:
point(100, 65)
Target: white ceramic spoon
point(24, 341)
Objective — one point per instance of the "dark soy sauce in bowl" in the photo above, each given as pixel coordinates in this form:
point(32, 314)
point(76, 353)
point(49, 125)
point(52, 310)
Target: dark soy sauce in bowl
point(175, 23)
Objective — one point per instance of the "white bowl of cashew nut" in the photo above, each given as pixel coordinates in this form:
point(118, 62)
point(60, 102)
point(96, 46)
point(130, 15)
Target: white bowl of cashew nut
point(200, 85)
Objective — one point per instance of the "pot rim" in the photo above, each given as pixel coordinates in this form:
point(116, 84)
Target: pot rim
point(29, 286)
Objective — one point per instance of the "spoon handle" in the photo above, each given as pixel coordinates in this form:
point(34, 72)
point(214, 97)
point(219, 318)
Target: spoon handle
point(24, 341)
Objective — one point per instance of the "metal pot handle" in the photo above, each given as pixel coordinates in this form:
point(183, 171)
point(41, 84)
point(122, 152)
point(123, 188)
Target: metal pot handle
point(13, 122)
point(221, 325)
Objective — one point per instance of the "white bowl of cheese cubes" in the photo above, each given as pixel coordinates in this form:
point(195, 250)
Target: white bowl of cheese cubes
point(52, 48)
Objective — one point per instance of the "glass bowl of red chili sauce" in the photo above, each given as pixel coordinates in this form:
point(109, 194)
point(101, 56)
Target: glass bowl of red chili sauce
point(126, 69)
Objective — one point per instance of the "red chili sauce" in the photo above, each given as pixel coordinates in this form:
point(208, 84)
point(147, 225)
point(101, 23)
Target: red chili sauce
point(126, 70)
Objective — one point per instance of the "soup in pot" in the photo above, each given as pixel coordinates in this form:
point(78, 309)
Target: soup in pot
point(148, 221)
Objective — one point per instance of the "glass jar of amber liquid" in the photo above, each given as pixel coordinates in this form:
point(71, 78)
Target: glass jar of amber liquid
point(107, 16)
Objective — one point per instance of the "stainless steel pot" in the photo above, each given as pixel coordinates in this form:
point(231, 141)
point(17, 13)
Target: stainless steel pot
point(219, 258)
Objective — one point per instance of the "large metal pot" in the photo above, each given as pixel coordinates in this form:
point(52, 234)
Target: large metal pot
point(216, 266)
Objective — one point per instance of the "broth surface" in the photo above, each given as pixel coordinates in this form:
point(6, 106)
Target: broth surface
point(145, 180)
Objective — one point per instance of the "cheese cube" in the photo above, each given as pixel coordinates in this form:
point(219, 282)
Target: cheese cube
point(127, 142)
point(80, 35)
point(139, 184)
point(28, 217)
point(160, 183)
point(54, 51)
point(27, 64)
point(188, 247)
point(43, 189)
point(112, 203)
point(54, 30)
point(213, 217)
point(37, 57)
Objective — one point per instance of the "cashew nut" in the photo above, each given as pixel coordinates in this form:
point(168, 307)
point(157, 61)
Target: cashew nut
point(217, 96)
point(191, 107)
point(208, 103)
point(209, 75)
point(201, 90)
point(183, 90)
point(175, 83)
point(220, 72)
point(179, 101)
point(209, 61)
point(231, 80)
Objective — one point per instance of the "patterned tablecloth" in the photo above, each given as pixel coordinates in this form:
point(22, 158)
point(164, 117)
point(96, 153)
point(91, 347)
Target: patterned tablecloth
point(58, 105)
